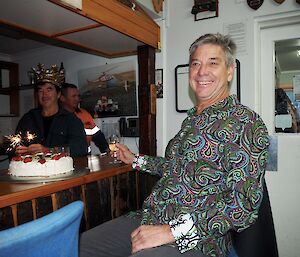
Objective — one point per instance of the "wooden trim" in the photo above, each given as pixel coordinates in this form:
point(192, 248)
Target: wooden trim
point(33, 204)
point(14, 214)
point(115, 15)
point(71, 31)
point(85, 210)
point(54, 201)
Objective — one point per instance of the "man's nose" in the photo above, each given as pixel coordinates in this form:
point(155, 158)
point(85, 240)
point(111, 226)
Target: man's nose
point(202, 69)
point(43, 93)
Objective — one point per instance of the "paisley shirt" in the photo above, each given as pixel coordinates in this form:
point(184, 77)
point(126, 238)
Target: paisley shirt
point(211, 177)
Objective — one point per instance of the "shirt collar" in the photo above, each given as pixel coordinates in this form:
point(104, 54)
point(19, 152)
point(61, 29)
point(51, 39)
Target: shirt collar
point(223, 105)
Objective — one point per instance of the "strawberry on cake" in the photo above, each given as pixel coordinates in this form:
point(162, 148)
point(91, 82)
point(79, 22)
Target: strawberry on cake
point(40, 165)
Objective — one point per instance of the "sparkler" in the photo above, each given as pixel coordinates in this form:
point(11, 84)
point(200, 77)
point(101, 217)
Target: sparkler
point(29, 136)
point(17, 140)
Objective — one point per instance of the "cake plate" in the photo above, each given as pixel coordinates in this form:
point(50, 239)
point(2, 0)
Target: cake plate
point(5, 177)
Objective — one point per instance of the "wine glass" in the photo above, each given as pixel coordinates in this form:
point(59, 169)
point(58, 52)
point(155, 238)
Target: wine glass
point(112, 141)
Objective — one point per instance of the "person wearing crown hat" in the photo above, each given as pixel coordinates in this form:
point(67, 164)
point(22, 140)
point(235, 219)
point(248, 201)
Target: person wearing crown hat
point(52, 125)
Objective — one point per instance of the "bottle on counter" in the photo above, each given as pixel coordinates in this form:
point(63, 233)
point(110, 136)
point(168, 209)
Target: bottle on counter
point(62, 71)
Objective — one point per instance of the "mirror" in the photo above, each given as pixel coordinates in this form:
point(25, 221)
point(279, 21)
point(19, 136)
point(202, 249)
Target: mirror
point(287, 86)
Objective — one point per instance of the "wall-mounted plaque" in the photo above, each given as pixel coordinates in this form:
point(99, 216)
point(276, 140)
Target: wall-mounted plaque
point(255, 4)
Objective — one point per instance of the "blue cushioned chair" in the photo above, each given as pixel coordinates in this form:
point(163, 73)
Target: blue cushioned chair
point(55, 234)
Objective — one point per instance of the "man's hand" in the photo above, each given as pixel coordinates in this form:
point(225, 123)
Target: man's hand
point(21, 150)
point(33, 148)
point(124, 154)
point(148, 236)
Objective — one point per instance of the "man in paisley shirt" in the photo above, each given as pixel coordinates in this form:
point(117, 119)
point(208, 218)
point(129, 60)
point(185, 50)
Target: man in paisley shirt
point(211, 175)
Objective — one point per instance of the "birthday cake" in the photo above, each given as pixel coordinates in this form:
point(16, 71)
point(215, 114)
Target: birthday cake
point(40, 165)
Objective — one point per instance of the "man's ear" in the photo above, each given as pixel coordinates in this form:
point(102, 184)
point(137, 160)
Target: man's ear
point(230, 72)
point(59, 96)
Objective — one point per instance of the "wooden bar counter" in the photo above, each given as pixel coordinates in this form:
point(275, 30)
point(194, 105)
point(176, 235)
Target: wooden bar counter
point(107, 190)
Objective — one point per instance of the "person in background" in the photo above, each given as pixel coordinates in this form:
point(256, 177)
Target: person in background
point(211, 175)
point(70, 100)
point(52, 125)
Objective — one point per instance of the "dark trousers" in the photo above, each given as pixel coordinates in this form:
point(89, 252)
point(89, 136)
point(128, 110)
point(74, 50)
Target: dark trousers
point(112, 239)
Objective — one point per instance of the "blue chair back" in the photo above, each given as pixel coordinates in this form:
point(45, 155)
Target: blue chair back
point(232, 253)
point(55, 234)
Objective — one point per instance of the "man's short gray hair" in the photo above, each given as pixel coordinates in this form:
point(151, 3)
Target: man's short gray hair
point(224, 41)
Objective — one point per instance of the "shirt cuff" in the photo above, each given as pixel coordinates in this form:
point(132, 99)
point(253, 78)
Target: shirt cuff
point(184, 232)
point(138, 161)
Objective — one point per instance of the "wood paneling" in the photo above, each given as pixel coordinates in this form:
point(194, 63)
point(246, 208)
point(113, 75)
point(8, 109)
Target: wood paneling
point(147, 114)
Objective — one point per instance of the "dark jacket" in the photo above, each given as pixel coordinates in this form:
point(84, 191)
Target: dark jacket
point(65, 130)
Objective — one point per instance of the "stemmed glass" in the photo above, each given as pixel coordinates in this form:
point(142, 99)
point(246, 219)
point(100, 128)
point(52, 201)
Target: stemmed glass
point(112, 141)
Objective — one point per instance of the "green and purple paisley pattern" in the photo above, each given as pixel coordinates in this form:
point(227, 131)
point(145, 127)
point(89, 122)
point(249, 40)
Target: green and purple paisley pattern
point(212, 171)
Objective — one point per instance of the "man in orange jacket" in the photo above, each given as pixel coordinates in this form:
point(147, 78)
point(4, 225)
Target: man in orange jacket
point(70, 100)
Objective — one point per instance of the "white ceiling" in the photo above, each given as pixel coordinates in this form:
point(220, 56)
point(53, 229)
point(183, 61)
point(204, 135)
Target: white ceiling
point(11, 46)
point(48, 18)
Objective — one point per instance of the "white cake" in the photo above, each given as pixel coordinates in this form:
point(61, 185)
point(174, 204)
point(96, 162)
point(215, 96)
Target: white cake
point(40, 165)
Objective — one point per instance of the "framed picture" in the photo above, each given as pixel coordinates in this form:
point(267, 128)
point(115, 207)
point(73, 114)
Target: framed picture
point(185, 97)
point(109, 90)
point(206, 10)
point(159, 83)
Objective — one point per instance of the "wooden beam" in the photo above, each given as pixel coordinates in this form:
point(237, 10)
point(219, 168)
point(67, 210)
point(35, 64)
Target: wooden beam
point(119, 17)
point(123, 19)
point(71, 31)
point(147, 114)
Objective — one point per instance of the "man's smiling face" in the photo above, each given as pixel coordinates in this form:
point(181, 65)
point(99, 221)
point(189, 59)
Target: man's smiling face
point(209, 75)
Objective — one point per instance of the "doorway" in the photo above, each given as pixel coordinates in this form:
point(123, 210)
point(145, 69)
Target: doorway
point(283, 185)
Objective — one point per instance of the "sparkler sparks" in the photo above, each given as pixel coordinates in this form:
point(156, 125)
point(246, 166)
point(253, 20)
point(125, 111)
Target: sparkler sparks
point(17, 140)
point(30, 136)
